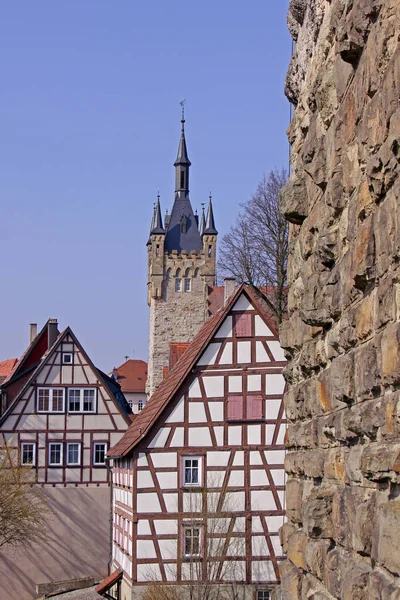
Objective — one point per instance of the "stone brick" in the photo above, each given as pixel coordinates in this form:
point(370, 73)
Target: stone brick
point(296, 549)
point(318, 514)
point(379, 461)
point(294, 496)
point(290, 581)
point(385, 536)
point(390, 354)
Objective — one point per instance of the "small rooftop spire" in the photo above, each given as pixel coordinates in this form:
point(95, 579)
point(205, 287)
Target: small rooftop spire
point(202, 220)
point(157, 225)
point(210, 223)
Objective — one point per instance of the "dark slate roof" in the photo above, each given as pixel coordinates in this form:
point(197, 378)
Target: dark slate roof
point(202, 222)
point(157, 224)
point(191, 239)
point(182, 157)
point(210, 223)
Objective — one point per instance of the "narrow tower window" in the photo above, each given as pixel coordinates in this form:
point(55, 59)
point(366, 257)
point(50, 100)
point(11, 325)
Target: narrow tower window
point(187, 285)
point(182, 180)
point(178, 285)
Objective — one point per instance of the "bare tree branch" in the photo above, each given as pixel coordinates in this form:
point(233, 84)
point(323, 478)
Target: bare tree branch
point(255, 250)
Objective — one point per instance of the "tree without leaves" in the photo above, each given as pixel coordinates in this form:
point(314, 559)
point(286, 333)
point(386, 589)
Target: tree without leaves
point(23, 509)
point(255, 251)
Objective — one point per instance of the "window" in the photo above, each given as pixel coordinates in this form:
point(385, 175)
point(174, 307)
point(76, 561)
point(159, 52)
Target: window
point(191, 471)
point(209, 250)
point(73, 453)
point(50, 400)
point(243, 325)
point(28, 453)
point(182, 180)
point(187, 285)
point(157, 249)
point(99, 453)
point(178, 285)
point(253, 408)
point(81, 400)
point(235, 408)
point(263, 595)
point(67, 358)
point(140, 405)
point(191, 540)
point(55, 454)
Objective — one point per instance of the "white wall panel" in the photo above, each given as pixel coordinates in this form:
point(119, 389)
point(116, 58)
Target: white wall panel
point(254, 383)
point(177, 415)
point(259, 546)
point(32, 422)
point(262, 500)
point(208, 357)
point(276, 545)
point(269, 433)
point(277, 351)
point(274, 523)
point(261, 328)
point(234, 570)
point(145, 549)
point(160, 438)
point(148, 503)
point(275, 457)
point(194, 389)
point(219, 435)
point(177, 438)
point(143, 527)
point(218, 459)
point(171, 502)
point(166, 526)
point(216, 411)
point(214, 386)
point(242, 304)
point(243, 352)
point(235, 383)
point(142, 460)
point(278, 476)
point(199, 436)
point(236, 479)
point(261, 353)
point(215, 479)
point(66, 374)
point(79, 376)
point(255, 458)
point(262, 570)
point(258, 477)
point(168, 481)
point(192, 502)
point(197, 413)
point(235, 435)
point(148, 573)
point(272, 409)
point(234, 501)
point(144, 479)
point(254, 434)
point(164, 459)
point(226, 357)
point(256, 525)
point(168, 549)
point(240, 524)
point(170, 572)
point(238, 461)
point(281, 435)
point(274, 383)
point(225, 331)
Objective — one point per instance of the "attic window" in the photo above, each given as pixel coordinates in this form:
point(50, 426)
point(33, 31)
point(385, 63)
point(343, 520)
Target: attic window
point(67, 358)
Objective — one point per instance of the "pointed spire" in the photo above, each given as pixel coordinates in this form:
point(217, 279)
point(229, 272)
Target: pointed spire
point(210, 223)
point(203, 220)
point(157, 225)
point(152, 224)
point(182, 157)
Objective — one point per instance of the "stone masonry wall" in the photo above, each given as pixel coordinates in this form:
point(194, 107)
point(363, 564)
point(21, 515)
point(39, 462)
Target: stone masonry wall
point(343, 334)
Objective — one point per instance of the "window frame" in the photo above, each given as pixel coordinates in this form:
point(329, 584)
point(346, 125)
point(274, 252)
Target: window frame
point(140, 405)
point(178, 285)
point(200, 469)
point(50, 390)
point(82, 391)
point(245, 407)
point(66, 362)
point(262, 591)
point(71, 464)
point(61, 445)
point(95, 444)
point(28, 464)
point(186, 281)
point(187, 527)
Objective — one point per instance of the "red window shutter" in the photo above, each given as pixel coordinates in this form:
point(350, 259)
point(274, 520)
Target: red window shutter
point(176, 349)
point(235, 408)
point(243, 325)
point(254, 407)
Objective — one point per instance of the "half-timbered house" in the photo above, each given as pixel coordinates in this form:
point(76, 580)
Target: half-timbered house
point(62, 415)
point(198, 479)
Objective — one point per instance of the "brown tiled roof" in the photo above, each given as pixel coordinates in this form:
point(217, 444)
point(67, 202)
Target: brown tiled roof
point(132, 376)
point(170, 385)
point(6, 367)
point(109, 581)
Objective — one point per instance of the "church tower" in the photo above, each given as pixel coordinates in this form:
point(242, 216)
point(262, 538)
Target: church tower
point(181, 270)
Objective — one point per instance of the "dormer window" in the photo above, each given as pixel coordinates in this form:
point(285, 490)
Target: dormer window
point(67, 358)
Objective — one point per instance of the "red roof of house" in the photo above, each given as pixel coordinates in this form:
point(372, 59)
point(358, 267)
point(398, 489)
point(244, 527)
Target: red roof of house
point(132, 376)
point(170, 385)
point(6, 366)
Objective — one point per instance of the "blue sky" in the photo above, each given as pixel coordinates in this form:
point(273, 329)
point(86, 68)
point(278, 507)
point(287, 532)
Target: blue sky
point(89, 110)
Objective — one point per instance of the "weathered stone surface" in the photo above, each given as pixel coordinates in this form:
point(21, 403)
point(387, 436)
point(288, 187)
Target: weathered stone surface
point(343, 334)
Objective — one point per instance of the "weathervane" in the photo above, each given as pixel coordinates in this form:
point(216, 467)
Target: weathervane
point(182, 103)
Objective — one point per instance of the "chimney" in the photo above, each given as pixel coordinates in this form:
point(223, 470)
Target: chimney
point(52, 332)
point(33, 332)
point(229, 287)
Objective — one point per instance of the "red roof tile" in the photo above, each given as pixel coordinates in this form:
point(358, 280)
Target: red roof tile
point(6, 366)
point(132, 376)
point(170, 385)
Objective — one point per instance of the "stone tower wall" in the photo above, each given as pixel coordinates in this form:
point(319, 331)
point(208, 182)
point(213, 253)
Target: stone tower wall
point(176, 316)
point(343, 334)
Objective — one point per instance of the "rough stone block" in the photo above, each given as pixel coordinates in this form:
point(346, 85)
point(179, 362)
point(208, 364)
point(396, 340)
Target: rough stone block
point(294, 494)
point(385, 543)
point(296, 549)
point(317, 512)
